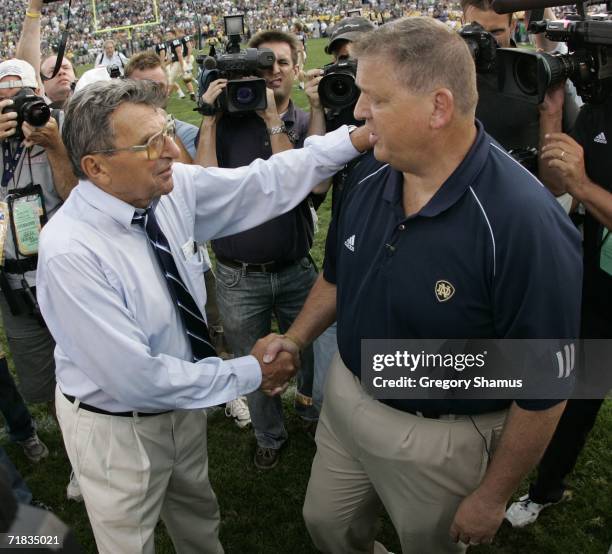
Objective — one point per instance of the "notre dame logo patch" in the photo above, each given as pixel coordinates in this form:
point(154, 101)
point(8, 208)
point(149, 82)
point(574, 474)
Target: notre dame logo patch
point(444, 291)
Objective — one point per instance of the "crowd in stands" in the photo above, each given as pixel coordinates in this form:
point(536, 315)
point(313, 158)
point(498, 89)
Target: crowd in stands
point(87, 33)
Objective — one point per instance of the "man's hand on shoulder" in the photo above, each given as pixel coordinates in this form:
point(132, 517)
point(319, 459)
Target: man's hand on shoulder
point(360, 137)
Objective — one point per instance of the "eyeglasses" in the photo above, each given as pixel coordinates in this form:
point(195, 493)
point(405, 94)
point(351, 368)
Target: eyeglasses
point(154, 146)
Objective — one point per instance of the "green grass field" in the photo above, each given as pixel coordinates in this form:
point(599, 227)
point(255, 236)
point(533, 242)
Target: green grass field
point(261, 511)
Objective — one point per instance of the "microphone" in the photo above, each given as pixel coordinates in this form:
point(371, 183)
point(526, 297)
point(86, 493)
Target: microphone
point(510, 6)
point(209, 63)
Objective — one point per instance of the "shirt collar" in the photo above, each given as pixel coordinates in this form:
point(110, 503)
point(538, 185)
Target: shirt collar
point(454, 187)
point(117, 209)
point(289, 116)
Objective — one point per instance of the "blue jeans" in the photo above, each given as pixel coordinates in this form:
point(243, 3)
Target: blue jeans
point(13, 478)
point(324, 349)
point(18, 419)
point(246, 303)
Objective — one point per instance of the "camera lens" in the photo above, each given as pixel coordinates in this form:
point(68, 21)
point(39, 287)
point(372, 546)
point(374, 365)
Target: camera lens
point(36, 113)
point(338, 90)
point(244, 95)
point(526, 75)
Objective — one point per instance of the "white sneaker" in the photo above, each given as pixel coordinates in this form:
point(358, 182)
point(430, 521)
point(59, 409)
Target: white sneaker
point(525, 511)
point(239, 410)
point(73, 490)
point(34, 449)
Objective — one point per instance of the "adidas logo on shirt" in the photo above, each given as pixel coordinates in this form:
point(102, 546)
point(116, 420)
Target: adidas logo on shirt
point(350, 243)
point(601, 138)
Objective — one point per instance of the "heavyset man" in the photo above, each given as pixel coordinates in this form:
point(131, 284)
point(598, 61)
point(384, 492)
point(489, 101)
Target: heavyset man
point(120, 286)
point(449, 205)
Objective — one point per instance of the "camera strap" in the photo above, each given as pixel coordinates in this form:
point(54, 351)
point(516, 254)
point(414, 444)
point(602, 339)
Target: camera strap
point(61, 49)
point(11, 161)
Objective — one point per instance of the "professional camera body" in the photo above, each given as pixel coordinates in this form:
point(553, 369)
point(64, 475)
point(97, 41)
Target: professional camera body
point(588, 63)
point(30, 108)
point(244, 91)
point(337, 89)
point(482, 45)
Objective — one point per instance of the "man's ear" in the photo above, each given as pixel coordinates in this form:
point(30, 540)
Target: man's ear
point(443, 108)
point(96, 169)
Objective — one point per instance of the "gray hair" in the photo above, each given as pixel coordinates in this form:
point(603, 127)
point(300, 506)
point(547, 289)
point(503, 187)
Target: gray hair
point(427, 54)
point(87, 125)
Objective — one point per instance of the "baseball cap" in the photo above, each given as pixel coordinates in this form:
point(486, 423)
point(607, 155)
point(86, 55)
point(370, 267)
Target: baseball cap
point(92, 76)
point(26, 76)
point(350, 28)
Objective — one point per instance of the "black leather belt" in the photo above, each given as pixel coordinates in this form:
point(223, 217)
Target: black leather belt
point(21, 266)
point(95, 410)
point(267, 267)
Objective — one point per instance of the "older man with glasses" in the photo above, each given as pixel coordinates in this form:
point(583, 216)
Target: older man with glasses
point(121, 288)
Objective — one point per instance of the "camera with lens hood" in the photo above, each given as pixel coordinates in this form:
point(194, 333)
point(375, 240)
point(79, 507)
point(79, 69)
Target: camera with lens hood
point(338, 89)
point(30, 109)
point(245, 91)
point(482, 46)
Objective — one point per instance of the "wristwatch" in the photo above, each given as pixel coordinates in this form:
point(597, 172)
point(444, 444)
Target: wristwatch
point(277, 130)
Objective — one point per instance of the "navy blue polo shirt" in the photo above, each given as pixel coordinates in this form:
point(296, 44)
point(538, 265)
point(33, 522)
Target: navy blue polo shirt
point(491, 230)
point(240, 140)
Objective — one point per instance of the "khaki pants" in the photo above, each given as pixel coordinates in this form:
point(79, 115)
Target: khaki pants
point(134, 470)
point(369, 454)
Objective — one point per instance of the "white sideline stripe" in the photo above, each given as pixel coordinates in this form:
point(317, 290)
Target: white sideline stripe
point(490, 229)
point(371, 174)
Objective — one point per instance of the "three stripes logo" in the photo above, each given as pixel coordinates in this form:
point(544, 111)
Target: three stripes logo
point(601, 138)
point(566, 360)
point(350, 243)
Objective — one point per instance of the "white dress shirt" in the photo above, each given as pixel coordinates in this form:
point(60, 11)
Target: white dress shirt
point(121, 344)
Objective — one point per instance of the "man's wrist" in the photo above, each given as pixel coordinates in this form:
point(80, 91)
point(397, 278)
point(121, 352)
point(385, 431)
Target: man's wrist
point(272, 120)
point(295, 341)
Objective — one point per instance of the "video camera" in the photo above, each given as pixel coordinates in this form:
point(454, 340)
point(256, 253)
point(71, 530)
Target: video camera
point(244, 92)
point(588, 63)
point(337, 89)
point(482, 46)
point(30, 108)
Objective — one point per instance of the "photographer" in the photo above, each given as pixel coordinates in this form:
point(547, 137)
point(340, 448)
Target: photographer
point(339, 48)
point(109, 56)
point(517, 126)
point(580, 165)
point(267, 269)
point(35, 169)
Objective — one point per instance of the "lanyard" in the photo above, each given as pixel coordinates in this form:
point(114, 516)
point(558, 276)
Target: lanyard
point(10, 162)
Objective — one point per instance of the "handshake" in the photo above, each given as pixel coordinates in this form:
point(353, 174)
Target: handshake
point(279, 360)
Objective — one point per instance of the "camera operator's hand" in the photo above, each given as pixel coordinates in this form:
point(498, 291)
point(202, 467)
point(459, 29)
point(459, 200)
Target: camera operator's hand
point(270, 114)
point(552, 104)
point(313, 78)
point(47, 136)
point(563, 154)
point(214, 90)
point(8, 121)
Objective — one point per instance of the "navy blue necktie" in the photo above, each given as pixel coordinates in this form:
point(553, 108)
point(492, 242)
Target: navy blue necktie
point(191, 315)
